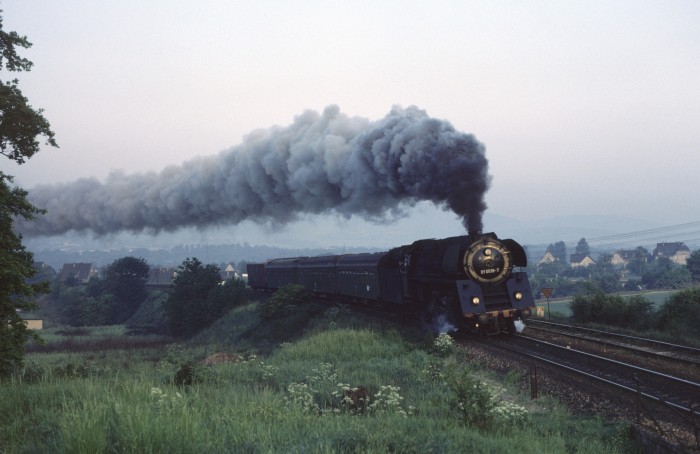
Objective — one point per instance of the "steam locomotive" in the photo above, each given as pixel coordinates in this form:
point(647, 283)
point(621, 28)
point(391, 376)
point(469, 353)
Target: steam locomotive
point(469, 281)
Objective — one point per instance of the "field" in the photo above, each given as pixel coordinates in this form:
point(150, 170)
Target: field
point(319, 380)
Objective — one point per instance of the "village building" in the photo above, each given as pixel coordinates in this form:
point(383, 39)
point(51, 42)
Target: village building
point(547, 258)
point(622, 257)
point(581, 260)
point(229, 272)
point(44, 269)
point(34, 323)
point(676, 252)
point(82, 272)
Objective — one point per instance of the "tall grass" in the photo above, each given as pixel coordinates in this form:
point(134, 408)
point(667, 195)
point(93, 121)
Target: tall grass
point(297, 398)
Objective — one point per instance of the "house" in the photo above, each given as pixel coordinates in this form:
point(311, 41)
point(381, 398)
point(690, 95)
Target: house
point(34, 323)
point(42, 272)
point(622, 257)
point(583, 260)
point(161, 276)
point(82, 272)
point(44, 269)
point(547, 258)
point(676, 252)
point(229, 272)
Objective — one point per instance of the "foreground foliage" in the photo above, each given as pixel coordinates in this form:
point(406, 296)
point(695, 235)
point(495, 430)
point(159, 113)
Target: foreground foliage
point(678, 319)
point(680, 316)
point(15, 268)
point(283, 302)
point(103, 301)
point(20, 125)
point(199, 298)
point(344, 384)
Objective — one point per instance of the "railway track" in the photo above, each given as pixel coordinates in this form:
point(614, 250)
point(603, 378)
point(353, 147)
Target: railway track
point(668, 401)
point(676, 360)
point(639, 345)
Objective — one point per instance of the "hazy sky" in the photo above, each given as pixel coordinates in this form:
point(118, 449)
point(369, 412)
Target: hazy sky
point(589, 107)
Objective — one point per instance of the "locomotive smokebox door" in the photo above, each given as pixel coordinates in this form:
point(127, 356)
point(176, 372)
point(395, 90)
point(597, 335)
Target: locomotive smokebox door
point(487, 261)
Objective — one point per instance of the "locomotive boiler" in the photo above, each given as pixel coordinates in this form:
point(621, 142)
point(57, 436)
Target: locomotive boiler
point(474, 281)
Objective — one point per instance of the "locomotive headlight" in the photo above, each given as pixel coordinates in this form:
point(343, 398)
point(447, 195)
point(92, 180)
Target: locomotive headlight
point(518, 296)
point(476, 301)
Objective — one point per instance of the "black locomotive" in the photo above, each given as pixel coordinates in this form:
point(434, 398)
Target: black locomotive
point(471, 279)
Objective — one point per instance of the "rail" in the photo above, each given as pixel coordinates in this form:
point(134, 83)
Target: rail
point(629, 382)
point(667, 355)
point(669, 345)
point(689, 417)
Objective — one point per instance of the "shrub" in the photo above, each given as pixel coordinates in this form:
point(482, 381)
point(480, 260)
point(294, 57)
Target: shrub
point(681, 314)
point(443, 344)
point(33, 372)
point(353, 400)
point(481, 405)
point(301, 396)
point(163, 402)
point(188, 374)
point(283, 302)
point(388, 401)
point(470, 397)
point(70, 370)
point(633, 312)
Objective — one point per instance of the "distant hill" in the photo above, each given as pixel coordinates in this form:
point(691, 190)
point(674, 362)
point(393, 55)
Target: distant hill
point(320, 236)
point(207, 253)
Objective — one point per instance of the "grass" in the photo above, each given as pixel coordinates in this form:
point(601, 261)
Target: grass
point(286, 393)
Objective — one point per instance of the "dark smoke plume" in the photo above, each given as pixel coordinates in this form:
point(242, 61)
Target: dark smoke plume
point(321, 163)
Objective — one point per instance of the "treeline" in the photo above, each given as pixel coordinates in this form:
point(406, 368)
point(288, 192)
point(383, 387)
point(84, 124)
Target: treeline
point(197, 298)
point(678, 318)
point(106, 300)
point(209, 253)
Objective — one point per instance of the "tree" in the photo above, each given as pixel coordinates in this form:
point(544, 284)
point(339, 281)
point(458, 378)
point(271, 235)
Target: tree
point(681, 314)
point(20, 125)
point(640, 261)
point(283, 302)
point(186, 308)
point(693, 264)
point(558, 250)
point(15, 268)
point(126, 278)
point(605, 275)
point(582, 247)
point(677, 277)
point(663, 273)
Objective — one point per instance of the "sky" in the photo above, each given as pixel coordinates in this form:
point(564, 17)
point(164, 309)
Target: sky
point(584, 108)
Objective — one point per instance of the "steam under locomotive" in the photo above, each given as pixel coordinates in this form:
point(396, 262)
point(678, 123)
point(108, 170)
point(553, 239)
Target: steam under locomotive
point(471, 279)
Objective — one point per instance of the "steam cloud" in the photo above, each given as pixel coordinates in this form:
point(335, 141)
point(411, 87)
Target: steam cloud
point(321, 163)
